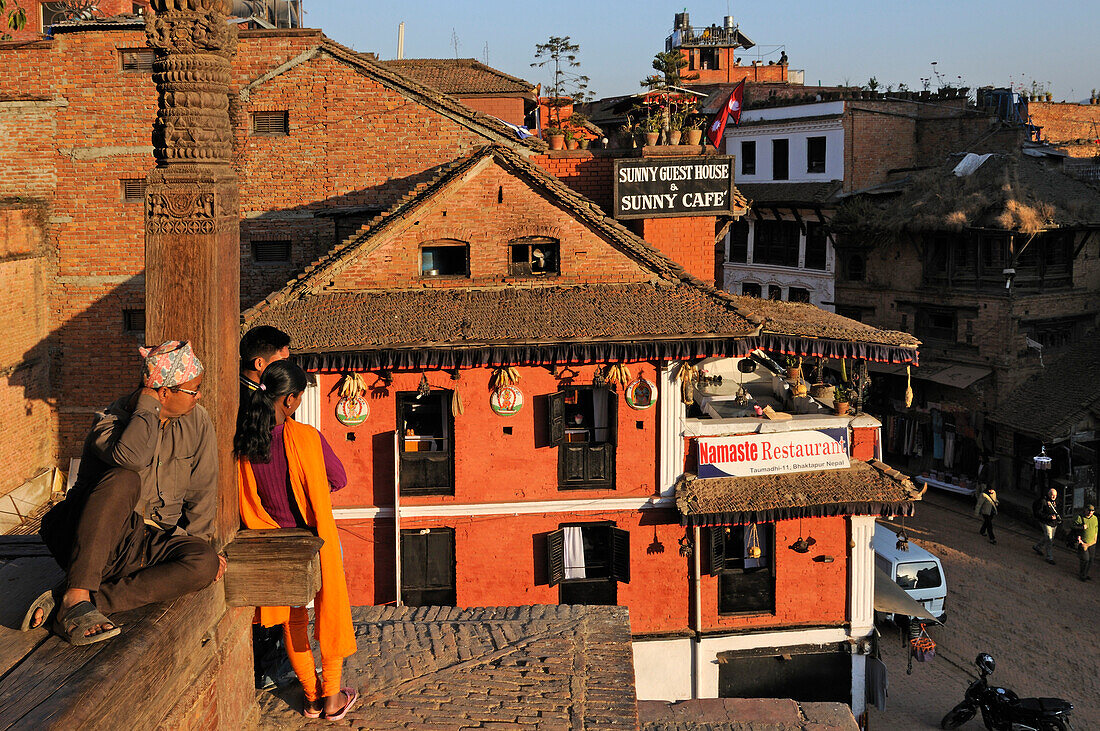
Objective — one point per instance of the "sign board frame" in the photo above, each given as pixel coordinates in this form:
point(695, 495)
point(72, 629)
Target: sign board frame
point(775, 453)
point(661, 187)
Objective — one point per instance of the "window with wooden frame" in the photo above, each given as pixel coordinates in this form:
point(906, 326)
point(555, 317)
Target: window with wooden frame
point(798, 294)
point(937, 324)
point(582, 424)
point(739, 242)
point(746, 576)
point(276, 251)
point(54, 12)
point(533, 256)
point(445, 258)
point(776, 243)
point(428, 567)
point(751, 289)
point(748, 157)
point(136, 59)
point(587, 561)
point(425, 428)
point(271, 123)
point(815, 154)
point(133, 190)
point(817, 246)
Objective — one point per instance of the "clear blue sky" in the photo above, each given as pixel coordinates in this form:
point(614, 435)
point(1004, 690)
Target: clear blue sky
point(846, 41)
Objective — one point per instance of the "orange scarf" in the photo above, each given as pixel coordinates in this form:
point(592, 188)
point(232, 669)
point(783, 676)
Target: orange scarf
point(310, 486)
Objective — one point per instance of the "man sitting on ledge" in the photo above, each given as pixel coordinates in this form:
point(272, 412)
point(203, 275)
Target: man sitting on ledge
point(136, 527)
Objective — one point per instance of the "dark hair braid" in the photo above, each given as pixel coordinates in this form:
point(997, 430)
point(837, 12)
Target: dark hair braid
point(256, 417)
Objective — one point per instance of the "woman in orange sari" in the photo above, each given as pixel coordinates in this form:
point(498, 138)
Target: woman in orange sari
point(285, 472)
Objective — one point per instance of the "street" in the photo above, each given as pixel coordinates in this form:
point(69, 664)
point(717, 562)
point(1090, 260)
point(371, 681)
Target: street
point(1038, 621)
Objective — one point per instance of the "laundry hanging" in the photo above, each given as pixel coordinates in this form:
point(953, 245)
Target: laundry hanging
point(574, 553)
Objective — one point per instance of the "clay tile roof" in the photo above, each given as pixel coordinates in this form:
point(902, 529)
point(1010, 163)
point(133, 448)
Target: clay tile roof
point(1050, 404)
point(542, 666)
point(674, 304)
point(865, 488)
point(812, 194)
point(460, 76)
point(494, 129)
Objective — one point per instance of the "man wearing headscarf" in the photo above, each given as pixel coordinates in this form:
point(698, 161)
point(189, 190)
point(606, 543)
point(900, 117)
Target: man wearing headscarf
point(137, 526)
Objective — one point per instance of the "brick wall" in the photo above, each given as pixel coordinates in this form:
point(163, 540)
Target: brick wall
point(510, 109)
point(73, 124)
point(28, 432)
point(688, 241)
point(873, 144)
point(588, 173)
point(487, 212)
point(1074, 126)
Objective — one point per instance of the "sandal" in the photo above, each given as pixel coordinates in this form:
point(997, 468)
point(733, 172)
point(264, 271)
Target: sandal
point(352, 695)
point(78, 619)
point(46, 601)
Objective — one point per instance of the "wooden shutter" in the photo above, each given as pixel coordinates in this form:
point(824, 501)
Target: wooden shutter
point(275, 124)
point(555, 414)
point(620, 555)
point(571, 463)
point(599, 464)
point(612, 416)
point(717, 549)
point(555, 556)
point(439, 559)
point(414, 560)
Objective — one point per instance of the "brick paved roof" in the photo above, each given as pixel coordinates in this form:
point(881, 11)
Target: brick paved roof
point(865, 488)
point(461, 76)
point(533, 667)
point(744, 714)
point(674, 303)
point(1050, 404)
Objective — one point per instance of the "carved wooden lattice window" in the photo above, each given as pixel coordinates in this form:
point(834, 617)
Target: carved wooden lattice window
point(133, 190)
point(271, 252)
point(271, 124)
point(136, 59)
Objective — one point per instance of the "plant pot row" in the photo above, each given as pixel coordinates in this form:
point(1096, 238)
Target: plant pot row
point(558, 142)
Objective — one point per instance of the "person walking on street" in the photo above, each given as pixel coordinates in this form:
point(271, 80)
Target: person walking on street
point(986, 508)
point(1086, 525)
point(1046, 512)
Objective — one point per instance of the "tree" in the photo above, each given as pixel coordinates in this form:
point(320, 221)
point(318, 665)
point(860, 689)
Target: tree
point(567, 88)
point(669, 67)
point(16, 16)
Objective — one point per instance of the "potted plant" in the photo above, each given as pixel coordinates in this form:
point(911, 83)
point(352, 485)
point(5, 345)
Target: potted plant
point(626, 136)
point(794, 368)
point(841, 397)
point(571, 142)
point(694, 129)
point(556, 137)
point(652, 130)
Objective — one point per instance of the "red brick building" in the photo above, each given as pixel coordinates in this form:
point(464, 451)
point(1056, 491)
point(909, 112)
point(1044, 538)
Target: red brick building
point(476, 85)
point(455, 499)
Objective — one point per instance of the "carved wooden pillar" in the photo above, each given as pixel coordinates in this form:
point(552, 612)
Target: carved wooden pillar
point(192, 221)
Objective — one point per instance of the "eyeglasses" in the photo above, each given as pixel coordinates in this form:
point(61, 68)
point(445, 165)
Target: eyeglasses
point(189, 392)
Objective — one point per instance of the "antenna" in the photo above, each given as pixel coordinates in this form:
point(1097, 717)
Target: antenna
point(486, 53)
point(455, 43)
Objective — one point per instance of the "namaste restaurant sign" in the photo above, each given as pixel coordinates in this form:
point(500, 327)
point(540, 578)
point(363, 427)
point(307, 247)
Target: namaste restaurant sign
point(753, 455)
point(683, 186)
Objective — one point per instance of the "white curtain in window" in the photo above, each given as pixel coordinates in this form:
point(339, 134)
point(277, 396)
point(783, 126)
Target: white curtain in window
point(574, 553)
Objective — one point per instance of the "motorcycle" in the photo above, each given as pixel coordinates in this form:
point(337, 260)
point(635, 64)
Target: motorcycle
point(1003, 710)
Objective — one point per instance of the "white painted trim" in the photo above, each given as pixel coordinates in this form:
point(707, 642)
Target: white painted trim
point(447, 510)
point(309, 411)
point(671, 413)
point(861, 575)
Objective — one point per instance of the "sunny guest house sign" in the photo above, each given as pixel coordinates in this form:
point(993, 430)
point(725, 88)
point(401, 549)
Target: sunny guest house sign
point(682, 186)
point(753, 455)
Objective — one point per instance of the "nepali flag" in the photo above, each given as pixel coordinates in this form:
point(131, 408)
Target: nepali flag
point(732, 108)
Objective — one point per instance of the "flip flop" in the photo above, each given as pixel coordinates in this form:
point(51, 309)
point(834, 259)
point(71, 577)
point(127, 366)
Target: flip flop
point(311, 713)
point(46, 601)
point(80, 618)
point(352, 695)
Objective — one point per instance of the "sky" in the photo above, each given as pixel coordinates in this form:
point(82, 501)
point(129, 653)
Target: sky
point(984, 42)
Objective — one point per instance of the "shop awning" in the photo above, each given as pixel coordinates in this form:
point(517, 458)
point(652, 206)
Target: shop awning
point(892, 599)
point(956, 376)
point(865, 488)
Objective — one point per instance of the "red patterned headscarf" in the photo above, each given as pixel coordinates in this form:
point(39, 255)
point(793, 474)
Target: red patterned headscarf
point(169, 364)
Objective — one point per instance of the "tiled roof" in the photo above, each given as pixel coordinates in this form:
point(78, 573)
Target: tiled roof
point(431, 97)
point(805, 320)
point(385, 319)
point(864, 488)
point(528, 667)
point(460, 76)
point(813, 194)
point(1051, 403)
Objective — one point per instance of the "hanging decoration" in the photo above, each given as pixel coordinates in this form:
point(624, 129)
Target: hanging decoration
point(617, 375)
point(504, 376)
point(908, 387)
point(423, 388)
point(753, 549)
point(641, 394)
point(352, 409)
point(687, 375)
point(457, 406)
point(802, 545)
point(506, 401)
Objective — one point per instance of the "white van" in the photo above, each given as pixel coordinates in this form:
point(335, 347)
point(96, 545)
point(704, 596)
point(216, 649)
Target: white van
point(916, 570)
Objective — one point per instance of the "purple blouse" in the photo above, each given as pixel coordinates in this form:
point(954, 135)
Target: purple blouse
point(273, 480)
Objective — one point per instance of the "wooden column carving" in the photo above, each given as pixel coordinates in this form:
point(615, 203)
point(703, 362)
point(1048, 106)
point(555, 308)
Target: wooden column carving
point(192, 219)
